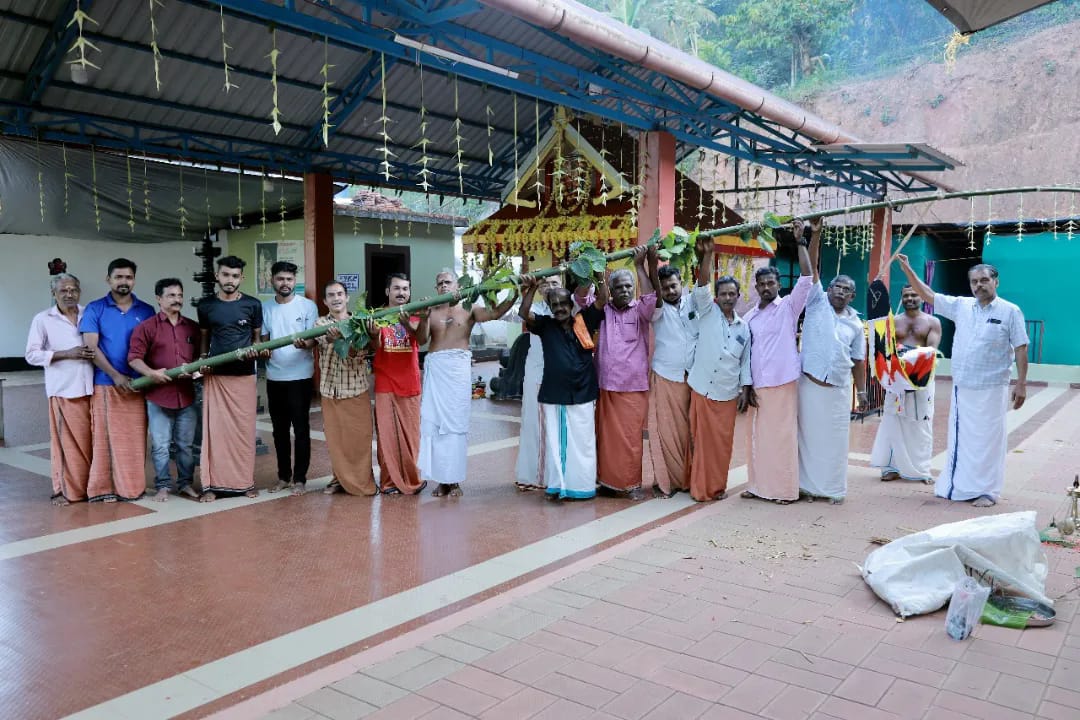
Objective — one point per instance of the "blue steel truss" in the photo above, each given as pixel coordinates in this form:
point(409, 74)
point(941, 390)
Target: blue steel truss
point(581, 79)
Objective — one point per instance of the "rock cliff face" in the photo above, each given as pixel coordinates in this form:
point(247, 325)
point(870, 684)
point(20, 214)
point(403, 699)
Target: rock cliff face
point(1010, 113)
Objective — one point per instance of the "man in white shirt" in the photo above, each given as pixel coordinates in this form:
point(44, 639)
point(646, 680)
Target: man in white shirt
point(833, 352)
point(289, 373)
point(673, 356)
point(54, 343)
point(990, 335)
point(719, 380)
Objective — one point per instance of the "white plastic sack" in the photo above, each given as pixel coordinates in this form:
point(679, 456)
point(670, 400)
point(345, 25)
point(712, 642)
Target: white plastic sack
point(917, 573)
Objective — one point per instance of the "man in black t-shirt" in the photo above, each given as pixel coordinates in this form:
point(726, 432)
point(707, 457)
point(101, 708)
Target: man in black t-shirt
point(568, 393)
point(229, 321)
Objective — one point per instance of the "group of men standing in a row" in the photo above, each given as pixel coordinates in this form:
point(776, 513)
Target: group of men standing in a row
point(585, 408)
point(708, 365)
point(98, 423)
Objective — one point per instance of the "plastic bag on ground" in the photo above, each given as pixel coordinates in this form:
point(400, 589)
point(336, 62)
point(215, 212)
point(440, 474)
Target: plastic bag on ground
point(965, 608)
point(916, 574)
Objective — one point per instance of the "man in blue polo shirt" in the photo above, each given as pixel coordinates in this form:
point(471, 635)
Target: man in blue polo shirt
point(118, 469)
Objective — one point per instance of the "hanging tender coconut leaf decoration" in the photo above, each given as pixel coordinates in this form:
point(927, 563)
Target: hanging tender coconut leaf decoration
point(81, 43)
point(94, 188)
point(225, 47)
point(130, 196)
point(154, 43)
point(1020, 220)
point(145, 190)
point(538, 183)
point(40, 178)
point(181, 210)
point(424, 184)
point(67, 177)
point(281, 205)
point(275, 112)
point(459, 154)
point(384, 166)
point(262, 206)
point(325, 71)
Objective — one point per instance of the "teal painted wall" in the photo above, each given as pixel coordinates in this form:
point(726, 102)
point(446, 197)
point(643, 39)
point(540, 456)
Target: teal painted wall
point(1035, 273)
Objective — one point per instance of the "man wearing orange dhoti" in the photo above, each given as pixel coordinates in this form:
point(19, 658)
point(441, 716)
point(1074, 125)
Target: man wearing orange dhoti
point(675, 335)
point(118, 469)
point(397, 392)
point(720, 381)
point(346, 403)
point(229, 321)
point(773, 463)
point(622, 359)
point(54, 343)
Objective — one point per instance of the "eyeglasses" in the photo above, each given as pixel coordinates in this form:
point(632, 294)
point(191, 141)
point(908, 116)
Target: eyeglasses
point(843, 290)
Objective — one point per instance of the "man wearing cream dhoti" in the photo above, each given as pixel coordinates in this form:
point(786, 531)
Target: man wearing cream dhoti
point(990, 335)
point(904, 350)
point(447, 387)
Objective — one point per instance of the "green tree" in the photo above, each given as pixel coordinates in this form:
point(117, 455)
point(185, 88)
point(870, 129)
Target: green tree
point(799, 27)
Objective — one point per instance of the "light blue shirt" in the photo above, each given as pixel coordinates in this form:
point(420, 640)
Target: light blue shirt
point(280, 320)
point(676, 338)
point(831, 342)
point(722, 358)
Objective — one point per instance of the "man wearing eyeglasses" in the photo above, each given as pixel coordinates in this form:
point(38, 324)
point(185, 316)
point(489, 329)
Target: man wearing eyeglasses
point(833, 350)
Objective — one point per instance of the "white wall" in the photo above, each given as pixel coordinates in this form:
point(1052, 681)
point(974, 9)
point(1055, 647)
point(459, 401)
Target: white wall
point(25, 289)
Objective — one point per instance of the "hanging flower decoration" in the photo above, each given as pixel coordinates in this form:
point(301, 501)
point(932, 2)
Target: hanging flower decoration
point(325, 71)
point(80, 18)
point(225, 47)
point(154, 43)
point(275, 112)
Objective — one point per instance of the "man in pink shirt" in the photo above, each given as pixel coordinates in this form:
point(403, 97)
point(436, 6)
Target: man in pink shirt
point(622, 360)
point(55, 343)
point(773, 468)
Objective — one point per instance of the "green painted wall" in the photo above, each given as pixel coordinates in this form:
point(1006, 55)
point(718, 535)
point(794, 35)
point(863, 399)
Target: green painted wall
point(1034, 273)
point(431, 248)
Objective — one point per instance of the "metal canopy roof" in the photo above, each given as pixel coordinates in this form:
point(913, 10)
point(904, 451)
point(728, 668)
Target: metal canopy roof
point(973, 15)
point(901, 157)
point(500, 68)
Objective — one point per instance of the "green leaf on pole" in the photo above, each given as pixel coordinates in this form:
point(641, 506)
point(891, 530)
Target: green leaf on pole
point(341, 347)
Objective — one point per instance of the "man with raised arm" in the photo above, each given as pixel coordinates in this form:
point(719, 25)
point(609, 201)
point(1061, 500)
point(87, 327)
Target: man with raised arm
point(622, 359)
point(990, 336)
point(833, 352)
point(397, 391)
point(905, 438)
point(567, 395)
point(55, 343)
point(773, 463)
point(675, 335)
point(720, 381)
point(446, 400)
point(527, 469)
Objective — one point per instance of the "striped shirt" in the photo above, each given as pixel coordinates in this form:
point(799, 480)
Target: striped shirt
point(340, 378)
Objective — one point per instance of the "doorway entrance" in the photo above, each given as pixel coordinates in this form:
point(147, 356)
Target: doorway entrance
point(380, 262)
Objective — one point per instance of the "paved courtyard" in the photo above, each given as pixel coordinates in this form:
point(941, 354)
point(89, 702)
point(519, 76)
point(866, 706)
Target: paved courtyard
point(503, 605)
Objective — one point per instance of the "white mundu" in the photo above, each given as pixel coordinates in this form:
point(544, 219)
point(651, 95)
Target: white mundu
point(445, 405)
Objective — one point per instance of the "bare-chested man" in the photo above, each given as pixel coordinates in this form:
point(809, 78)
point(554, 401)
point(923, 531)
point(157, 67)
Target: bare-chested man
point(904, 441)
point(445, 401)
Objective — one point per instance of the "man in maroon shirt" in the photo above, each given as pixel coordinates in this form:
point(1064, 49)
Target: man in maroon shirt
point(165, 341)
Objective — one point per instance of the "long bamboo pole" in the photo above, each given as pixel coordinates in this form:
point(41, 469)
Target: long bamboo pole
point(472, 293)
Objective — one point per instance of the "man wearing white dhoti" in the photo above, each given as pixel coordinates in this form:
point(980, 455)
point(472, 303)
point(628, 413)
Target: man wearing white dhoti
point(527, 469)
point(445, 398)
point(568, 394)
point(990, 335)
point(905, 437)
point(833, 351)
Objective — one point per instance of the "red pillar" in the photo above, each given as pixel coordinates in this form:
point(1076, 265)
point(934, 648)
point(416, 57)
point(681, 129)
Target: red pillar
point(656, 155)
point(881, 221)
point(318, 235)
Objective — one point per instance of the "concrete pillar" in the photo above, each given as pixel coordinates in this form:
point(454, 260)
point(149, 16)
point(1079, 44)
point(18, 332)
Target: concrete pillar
point(318, 235)
point(881, 221)
point(656, 155)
